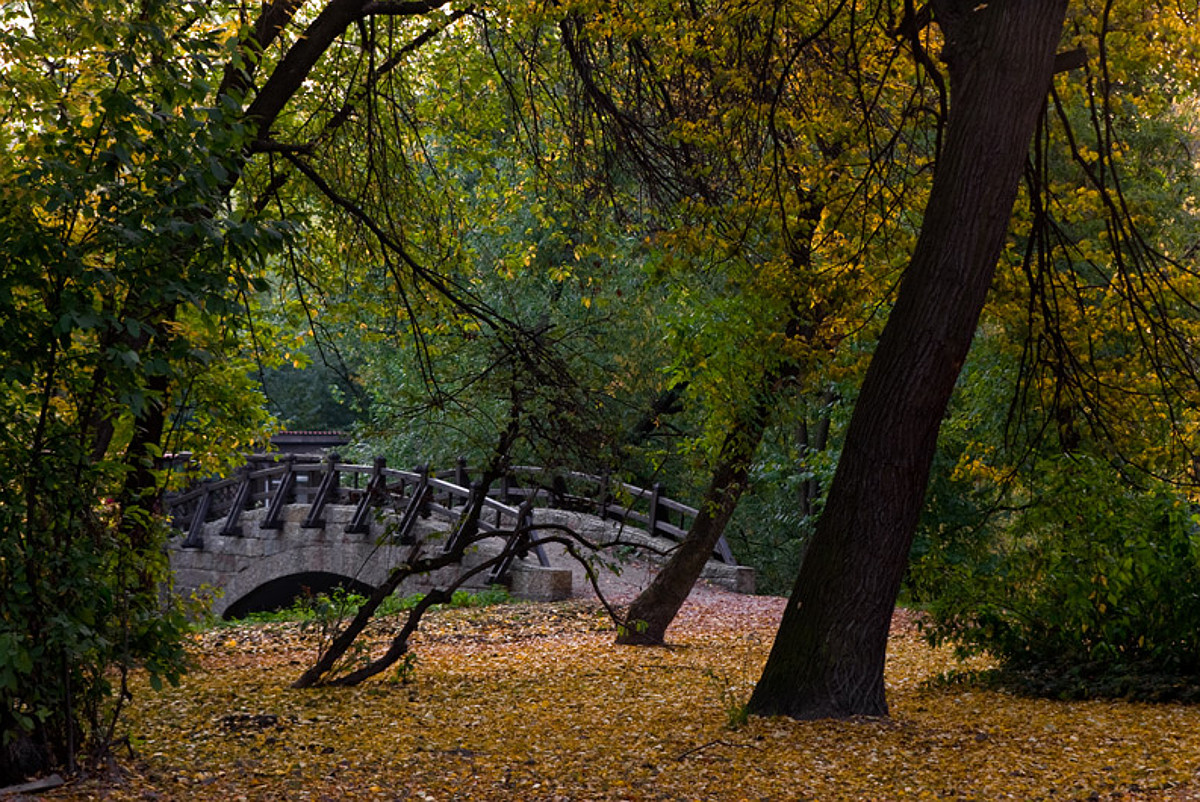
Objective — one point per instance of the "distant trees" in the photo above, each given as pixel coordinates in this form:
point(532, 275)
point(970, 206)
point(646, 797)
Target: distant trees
point(771, 237)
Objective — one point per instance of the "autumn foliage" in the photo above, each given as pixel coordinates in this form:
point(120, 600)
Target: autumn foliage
point(535, 702)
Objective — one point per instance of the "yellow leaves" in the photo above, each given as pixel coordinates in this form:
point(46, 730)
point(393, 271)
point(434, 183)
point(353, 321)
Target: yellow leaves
point(297, 361)
point(535, 702)
point(973, 465)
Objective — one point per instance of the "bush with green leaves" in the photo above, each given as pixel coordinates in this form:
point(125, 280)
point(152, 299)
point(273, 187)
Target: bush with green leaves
point(1087, 586)
point(341, 603)
point(125, 274)
point(80, 606)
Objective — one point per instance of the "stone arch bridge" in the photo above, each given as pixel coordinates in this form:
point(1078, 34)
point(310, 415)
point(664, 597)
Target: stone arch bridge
point(283, 523)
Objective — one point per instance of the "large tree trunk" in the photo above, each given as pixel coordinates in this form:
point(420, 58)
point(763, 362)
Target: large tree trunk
point(828, 657)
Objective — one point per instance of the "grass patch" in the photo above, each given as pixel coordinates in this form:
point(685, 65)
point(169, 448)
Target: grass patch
point(342, 604)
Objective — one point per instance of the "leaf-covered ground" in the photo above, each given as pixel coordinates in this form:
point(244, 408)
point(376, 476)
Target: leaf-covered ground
point(534, 702)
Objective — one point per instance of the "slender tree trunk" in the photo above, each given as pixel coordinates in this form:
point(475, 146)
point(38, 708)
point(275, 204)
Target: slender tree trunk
point(813, 440)
point(668, 402)
point(828, 657)
point(656, 607)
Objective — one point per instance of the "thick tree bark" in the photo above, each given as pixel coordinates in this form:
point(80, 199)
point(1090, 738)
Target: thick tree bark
point(655, 607)
point(828, 657)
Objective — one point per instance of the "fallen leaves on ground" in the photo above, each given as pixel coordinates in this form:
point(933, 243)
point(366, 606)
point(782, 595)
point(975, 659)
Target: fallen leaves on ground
point(535, 702)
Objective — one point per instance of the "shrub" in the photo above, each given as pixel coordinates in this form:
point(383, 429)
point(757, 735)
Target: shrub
point(1091, 588)
point(81, 604)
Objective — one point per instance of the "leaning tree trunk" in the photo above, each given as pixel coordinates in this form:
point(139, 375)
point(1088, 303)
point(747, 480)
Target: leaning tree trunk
point(655, 607)
point(828, 656)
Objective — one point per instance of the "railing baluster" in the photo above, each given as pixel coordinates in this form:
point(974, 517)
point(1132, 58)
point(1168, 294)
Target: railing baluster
point(241, 499)
point(602, 503)
point(522, 533)
point(274, 517)
point(425, 511)
point(652, 515)
point(461, 477)
point(415, 508)
point(468, 523)
point(327, 490)
point(195, 535)
point(360, 523)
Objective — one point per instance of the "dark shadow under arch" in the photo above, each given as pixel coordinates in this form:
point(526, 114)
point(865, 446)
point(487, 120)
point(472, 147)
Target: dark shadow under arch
point(281, 592)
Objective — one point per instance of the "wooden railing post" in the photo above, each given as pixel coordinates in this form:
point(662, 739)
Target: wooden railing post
point(468, 522)
point(461, 475)
point(274, 517)
point(325, 493)
point(263, 483)
point(233, 526)
point(424, 510)
point(195, 535)
point(602, 501)
point(652, 516)
point(504, 494)
point(522, 535)
point(361, 523)
point(416, 507)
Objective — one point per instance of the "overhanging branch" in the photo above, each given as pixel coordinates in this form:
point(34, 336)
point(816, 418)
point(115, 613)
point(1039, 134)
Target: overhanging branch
point(296, 65)
point(457, 296)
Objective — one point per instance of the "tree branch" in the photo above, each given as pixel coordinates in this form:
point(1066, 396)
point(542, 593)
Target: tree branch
point(240, 71)
point(294, 68)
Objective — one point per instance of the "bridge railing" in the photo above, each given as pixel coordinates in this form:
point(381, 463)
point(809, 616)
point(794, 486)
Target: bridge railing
point(649, 508)
point(273, 481)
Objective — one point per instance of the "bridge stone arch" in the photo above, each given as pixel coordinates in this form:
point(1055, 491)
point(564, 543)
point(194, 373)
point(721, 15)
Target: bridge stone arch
point(282, 591)
point(230, 568)
point(287, 518)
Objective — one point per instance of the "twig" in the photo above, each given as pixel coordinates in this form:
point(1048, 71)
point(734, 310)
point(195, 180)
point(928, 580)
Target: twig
point(44, 784)
point(717, 742)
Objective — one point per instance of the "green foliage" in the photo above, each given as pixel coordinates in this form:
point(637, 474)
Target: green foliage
point(737, 712)
point(406, 669)
point(323, 609)
point(793, 468)
point(79, 606)
point(310, 397)
point(769, 530)
point(540, 332)
point(1092, 587)
point(123, 263)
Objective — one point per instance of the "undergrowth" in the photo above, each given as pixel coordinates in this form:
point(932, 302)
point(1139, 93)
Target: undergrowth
point(342, 603)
